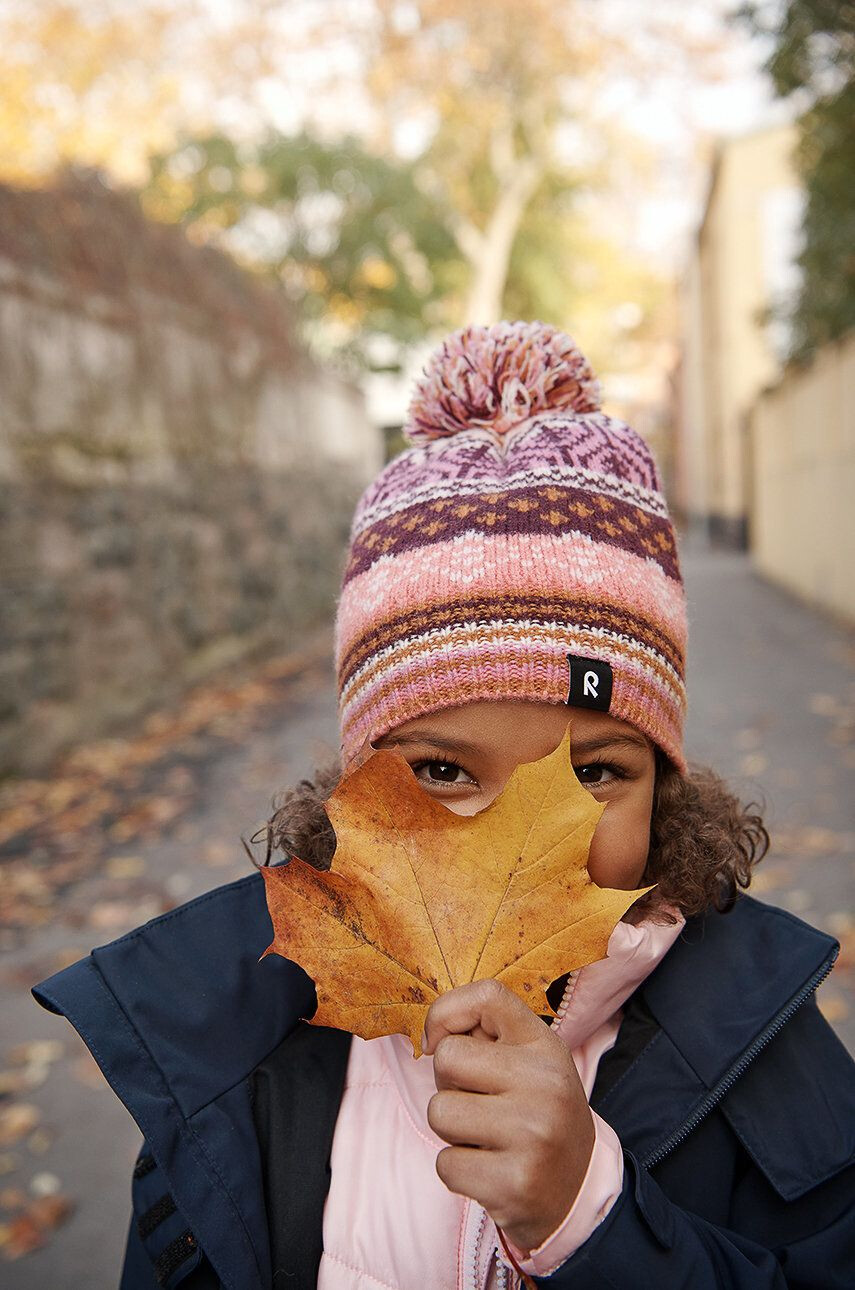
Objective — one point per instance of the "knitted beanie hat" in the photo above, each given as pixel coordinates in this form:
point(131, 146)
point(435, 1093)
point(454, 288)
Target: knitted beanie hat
point(520, 549)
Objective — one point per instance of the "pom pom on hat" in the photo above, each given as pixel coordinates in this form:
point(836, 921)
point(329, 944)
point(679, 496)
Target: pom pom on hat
point(495, 377)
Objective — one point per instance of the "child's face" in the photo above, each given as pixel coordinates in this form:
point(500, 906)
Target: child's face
point(464, 756)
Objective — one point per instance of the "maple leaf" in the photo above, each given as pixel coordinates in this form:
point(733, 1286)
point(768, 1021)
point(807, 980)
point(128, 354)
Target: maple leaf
point(419, 900)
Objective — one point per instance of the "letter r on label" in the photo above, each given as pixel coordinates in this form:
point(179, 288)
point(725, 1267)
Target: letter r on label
point(590, 684)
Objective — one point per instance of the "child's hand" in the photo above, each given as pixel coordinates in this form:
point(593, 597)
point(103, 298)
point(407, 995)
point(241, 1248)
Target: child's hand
point(512, 1105)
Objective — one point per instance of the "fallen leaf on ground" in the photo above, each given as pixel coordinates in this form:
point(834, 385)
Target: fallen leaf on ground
point(39, 1052)
point(86, 1071)
point(753, 763)
point(749, 738)
point(31, 1064)
point(771, 875)
point(218, 854)
point(846, 957)
point(107, 915)
point(17, 1081)
point(58, 828)
point(824, 705)
point(833, 1007)
point(125, 867)
point(420, 900)
point(16, 1121)
point(40, 1141)
point(28, 1230)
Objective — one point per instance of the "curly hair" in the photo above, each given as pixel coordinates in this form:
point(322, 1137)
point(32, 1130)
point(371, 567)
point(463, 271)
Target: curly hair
point(703, 840)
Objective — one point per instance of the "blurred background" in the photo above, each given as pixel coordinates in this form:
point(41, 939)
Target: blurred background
point(230, 233)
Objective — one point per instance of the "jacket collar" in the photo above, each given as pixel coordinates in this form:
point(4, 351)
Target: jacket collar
point(594, 993)
point(770, 962)
point(177, 1014)
point(757, 957)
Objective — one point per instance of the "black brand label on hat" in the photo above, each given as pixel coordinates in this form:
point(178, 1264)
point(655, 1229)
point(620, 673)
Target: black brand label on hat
point(590, 683)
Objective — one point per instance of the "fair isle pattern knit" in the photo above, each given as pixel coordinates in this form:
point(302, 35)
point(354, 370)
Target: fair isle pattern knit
point(526, 527)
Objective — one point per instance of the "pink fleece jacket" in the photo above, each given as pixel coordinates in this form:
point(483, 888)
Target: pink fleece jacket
point(390, 1223)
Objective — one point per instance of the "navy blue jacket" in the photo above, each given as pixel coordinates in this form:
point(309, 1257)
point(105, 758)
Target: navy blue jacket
point(734, 1101)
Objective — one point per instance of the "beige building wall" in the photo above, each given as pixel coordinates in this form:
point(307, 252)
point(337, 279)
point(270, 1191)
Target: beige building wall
point(741, 261)
point(803, 521)
point(689, 409)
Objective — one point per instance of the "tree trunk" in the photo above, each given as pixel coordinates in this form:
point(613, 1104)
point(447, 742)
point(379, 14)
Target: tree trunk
point(490, 256)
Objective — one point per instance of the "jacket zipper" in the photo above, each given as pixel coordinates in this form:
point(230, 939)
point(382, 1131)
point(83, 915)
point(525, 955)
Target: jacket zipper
point(730, 1077)
point(474, 1222)
point(474, 1239)
point(472, 1253)
point(569, 989)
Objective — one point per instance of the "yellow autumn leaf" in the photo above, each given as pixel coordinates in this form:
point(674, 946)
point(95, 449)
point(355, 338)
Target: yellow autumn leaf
point(419, 900)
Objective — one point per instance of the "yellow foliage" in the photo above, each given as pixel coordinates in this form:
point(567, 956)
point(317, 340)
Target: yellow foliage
point(84, 85)
point(345, 311)
point(107, 83)
point(376, 273)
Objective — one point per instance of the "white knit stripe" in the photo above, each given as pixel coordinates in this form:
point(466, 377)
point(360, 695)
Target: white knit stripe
point(516, 633)
point(568, 564)
point(561, 477)
point(385, 701)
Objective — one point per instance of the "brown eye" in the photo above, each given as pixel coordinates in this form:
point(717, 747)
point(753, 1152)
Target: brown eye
point(445, 771)
point(598, 774)
point(440, 772)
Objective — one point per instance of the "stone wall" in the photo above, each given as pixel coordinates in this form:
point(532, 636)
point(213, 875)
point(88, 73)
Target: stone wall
point(176, 477)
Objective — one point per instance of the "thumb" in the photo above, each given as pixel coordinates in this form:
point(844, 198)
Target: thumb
point(481, 1008)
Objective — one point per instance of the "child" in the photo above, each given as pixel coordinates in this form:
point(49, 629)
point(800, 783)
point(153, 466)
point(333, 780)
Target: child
point(688, 1119)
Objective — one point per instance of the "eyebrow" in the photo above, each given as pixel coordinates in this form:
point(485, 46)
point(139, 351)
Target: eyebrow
point(435, 737)
point(583, 746)
point(598, 742)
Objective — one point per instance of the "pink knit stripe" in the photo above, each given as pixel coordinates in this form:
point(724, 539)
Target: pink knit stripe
point(377, 713)
point(534, 668)
point(460, 658)
point(475, 564)
point(375, 646)
point(458, 645)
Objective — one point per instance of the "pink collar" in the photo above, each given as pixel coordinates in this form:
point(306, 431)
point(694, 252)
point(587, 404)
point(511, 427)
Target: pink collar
point(594, 993)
